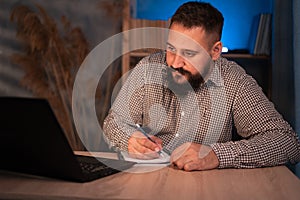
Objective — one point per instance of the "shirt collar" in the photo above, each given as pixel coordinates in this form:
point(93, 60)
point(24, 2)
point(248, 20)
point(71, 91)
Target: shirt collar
point(215, 78)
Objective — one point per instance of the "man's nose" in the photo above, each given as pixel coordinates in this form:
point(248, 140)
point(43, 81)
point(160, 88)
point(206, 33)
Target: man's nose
point(178, 61)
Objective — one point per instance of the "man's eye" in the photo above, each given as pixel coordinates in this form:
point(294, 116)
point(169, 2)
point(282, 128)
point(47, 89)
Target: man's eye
point(171, 49)
point(189, 53)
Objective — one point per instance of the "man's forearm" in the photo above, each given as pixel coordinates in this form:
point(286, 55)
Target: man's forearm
point(259, 151)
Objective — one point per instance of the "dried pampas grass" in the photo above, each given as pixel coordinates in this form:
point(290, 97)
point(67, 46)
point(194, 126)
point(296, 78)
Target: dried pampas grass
point(50, 61)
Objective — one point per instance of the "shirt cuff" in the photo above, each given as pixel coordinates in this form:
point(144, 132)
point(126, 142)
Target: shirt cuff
point(226, 154)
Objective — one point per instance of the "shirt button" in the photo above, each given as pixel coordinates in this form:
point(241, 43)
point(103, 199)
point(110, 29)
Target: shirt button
point(182, 113)
point(176, 135)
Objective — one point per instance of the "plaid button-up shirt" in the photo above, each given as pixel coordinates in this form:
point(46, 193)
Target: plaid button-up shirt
point(204, 115)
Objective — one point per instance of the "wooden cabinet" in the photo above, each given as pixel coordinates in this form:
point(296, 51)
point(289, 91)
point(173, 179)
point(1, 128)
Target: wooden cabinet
point(130, 59)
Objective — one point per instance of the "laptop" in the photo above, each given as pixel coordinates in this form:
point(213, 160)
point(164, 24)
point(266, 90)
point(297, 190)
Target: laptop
point(33, 142)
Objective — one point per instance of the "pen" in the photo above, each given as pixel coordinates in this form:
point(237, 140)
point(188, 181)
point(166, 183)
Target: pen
point(149, 138)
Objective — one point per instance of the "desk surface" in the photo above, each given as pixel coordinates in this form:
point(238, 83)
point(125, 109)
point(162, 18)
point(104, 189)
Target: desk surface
point(166, 183)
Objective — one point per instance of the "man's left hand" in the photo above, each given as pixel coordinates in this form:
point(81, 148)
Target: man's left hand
point(192, 156)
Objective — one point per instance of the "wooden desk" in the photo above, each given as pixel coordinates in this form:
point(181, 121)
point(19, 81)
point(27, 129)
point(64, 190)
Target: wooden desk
point(167, 183)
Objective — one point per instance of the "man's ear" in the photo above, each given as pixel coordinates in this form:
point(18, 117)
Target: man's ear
point(216, 50)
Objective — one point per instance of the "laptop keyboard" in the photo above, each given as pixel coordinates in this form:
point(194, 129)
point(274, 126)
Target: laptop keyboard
point(102, 167)
point(93, 168)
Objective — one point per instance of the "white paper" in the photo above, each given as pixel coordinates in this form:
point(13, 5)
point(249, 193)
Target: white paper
point(162, 159)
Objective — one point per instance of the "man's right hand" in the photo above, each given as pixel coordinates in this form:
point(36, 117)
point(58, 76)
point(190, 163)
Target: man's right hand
point(141, 147)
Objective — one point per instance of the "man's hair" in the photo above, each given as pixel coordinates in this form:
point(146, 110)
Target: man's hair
point(199, 14)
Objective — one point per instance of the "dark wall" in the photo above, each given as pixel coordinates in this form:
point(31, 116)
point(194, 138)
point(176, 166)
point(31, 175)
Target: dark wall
point(283, 74)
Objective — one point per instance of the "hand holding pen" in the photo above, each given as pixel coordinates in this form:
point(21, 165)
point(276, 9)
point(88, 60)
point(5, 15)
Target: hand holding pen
point(143, 146)
point(158, 150)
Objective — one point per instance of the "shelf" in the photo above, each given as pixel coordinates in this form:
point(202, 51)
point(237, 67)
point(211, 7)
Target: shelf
point(251, 56)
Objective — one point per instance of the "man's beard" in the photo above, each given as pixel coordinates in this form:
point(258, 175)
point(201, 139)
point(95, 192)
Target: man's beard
point(193, 81)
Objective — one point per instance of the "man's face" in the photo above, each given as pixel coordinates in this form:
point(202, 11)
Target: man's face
point(187, 54)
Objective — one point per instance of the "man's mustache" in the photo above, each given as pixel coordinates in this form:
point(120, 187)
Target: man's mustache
point(181, 70)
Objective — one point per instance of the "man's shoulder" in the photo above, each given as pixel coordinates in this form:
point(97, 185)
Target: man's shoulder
point(230, 66)
point(230, 69)
point(233, 75)
point(157, 57)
